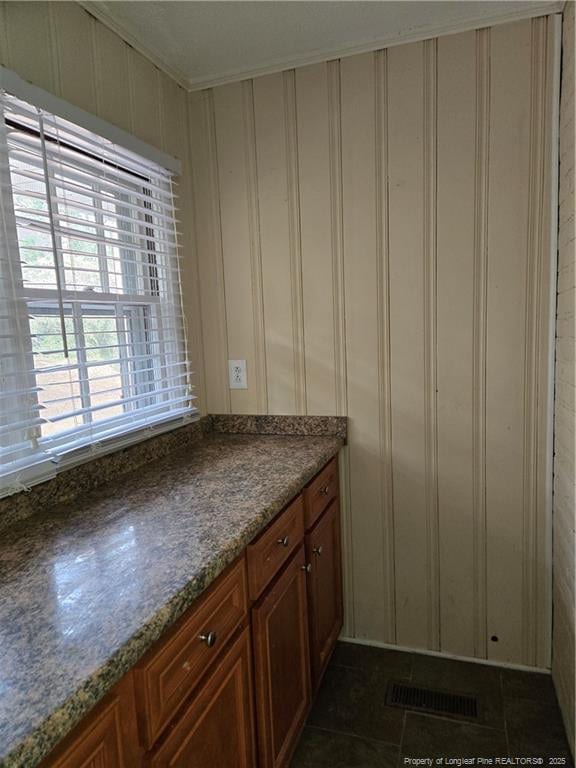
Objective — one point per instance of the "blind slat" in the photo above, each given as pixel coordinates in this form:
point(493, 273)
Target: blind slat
point(113, 390)
point(134, 203)
point(93, 379)
point(63, 174)
point(64, 226)
point(104, 211)
point(123, 259)
point(87, 238)
point(74, 439)
point(104, 155)
point(144, 397)
point(30, 145)
point(27, 213)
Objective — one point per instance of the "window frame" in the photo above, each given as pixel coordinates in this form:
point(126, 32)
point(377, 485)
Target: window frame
point(123, 307)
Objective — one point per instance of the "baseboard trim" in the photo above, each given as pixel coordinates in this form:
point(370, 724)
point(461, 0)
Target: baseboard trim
point(440, 654)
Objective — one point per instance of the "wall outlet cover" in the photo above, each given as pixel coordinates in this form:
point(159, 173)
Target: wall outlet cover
point(237, 374)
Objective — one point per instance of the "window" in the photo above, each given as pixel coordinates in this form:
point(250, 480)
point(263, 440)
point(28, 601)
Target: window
point(91, 328)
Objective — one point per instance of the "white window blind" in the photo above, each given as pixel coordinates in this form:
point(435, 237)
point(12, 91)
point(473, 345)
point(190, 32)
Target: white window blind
point(92, 341)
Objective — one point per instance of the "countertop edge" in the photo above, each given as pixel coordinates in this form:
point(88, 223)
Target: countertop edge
point(45, 737)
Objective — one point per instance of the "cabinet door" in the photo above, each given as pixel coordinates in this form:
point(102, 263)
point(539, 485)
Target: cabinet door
point(281, 659)
point(324, 589)
point(106, 738)
point(217, 728)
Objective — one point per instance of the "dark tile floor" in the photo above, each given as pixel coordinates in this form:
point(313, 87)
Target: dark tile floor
point(350, 725)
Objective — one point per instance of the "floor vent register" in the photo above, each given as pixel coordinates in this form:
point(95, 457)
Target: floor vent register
point(422, 699)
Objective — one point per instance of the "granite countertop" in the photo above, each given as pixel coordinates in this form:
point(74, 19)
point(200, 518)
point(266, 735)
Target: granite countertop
point(87, 586)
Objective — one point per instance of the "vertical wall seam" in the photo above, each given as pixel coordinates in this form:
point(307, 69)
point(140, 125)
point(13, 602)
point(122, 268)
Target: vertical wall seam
point(162, 111)
point(349, 629)
point(161, 133)
point(430, 341)
point(554, 61)
point(480, 288)
point(129, 52)
point(210, 118)
point(258, 320)
point(339, 315)
point(94, 62)
point(527, 595)
point(5, 57)
point(383, 314)
point(55, 49)
point(532, 341)
point(389, 343)
point(337, 235)
point(295, 240)
point(547, 272)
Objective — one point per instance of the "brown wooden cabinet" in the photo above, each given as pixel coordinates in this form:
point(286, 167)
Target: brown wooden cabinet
point(282, 667)
point(217, 727)
point(248, 650)
point(106, 738)
point(170, 671)
point(324, 589)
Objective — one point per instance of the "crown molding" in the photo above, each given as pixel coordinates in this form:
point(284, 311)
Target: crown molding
point(321, 54)
point(101, 14)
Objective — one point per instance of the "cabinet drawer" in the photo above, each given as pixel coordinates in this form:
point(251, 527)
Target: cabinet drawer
point(272, 548)
point(217, 728)
point(319, 493)
point(169, 673)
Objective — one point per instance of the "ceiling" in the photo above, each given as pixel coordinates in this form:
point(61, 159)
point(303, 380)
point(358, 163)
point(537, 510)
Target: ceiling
point(207, 43)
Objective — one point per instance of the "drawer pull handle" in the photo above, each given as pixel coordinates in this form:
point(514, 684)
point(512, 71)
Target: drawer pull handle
point(325, 491)
point(284, 541)
point(209, 638)
point(317, 550)
point(307, 567)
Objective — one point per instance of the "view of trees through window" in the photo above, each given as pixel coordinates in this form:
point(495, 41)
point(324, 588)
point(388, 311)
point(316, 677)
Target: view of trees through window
point(107, 251)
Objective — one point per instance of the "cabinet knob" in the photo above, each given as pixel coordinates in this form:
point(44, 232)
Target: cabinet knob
point(307, 567)
point(317, 550)
point(325, 491)
point(284, 541)
point(209, 638)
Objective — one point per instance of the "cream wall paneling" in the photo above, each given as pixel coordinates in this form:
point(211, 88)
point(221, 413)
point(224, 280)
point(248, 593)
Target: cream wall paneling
point(374, 239)
point(60, 48)
point(367, 238)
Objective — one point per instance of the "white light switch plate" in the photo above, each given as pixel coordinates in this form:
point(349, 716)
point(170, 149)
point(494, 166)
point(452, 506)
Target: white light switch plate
point(237, 374)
